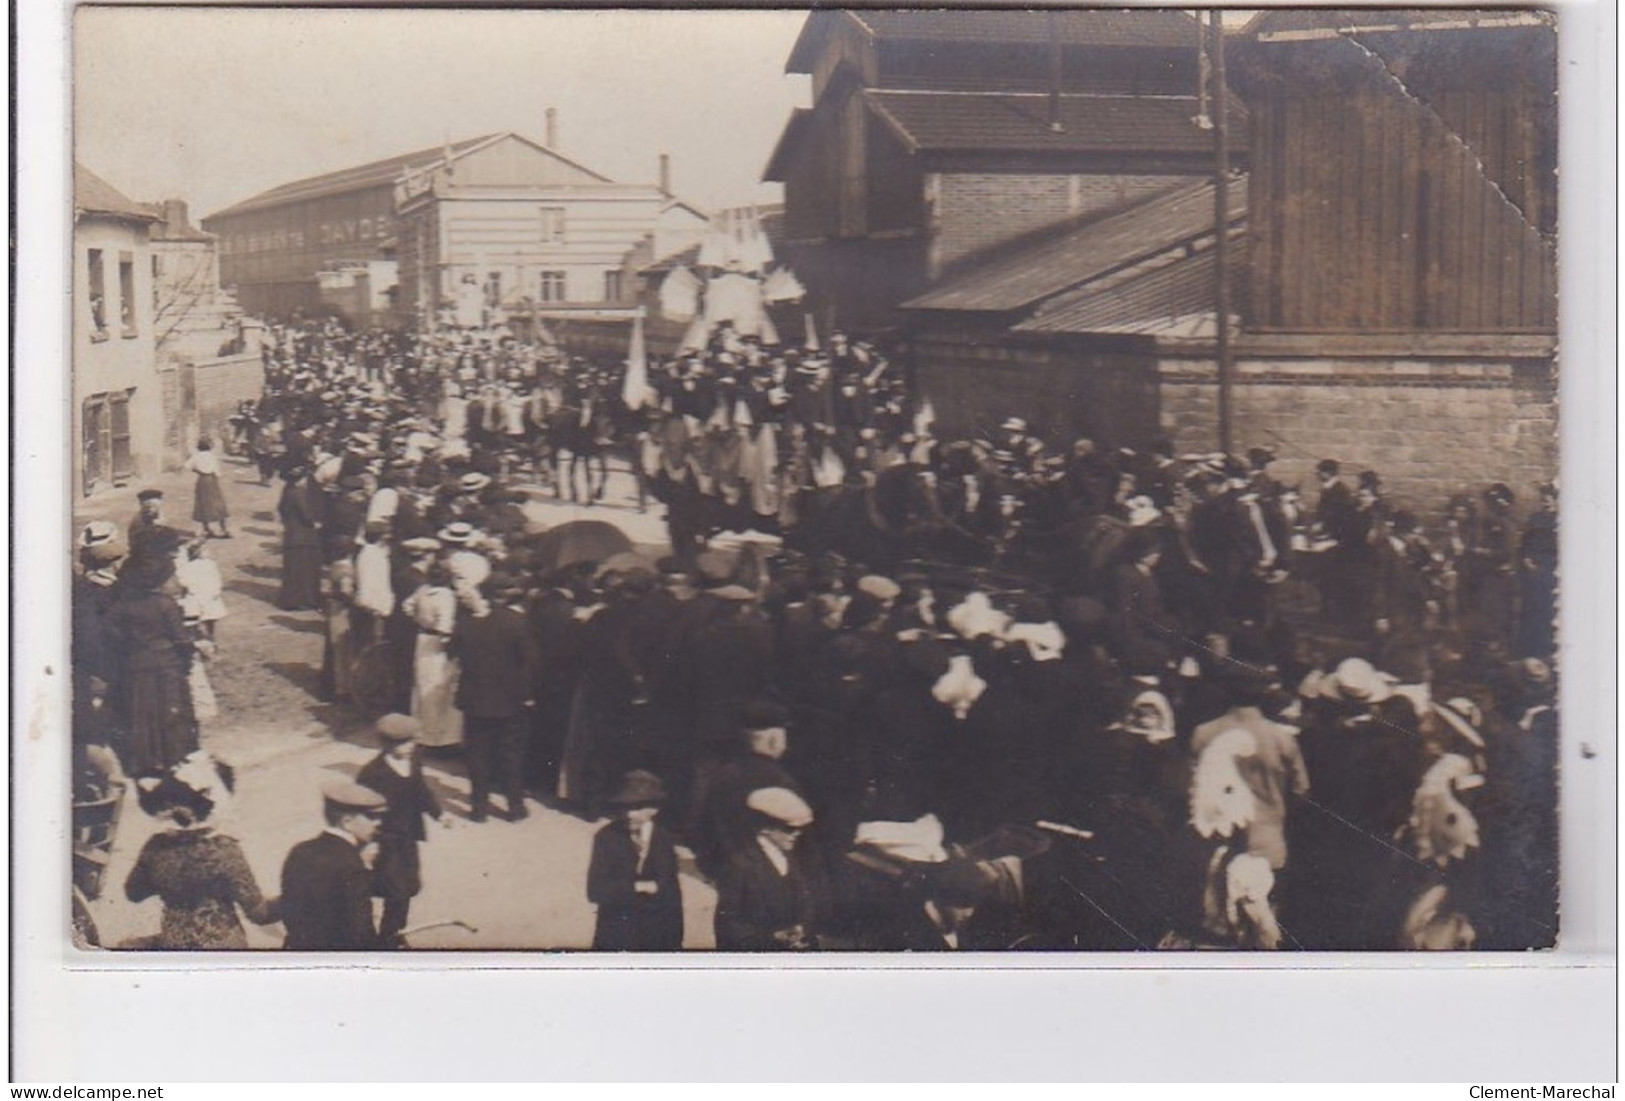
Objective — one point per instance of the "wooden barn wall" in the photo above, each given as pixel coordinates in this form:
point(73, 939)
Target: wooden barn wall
point(1008, 67)
point(1370, 214)
point(812, 181)
point(896, 185)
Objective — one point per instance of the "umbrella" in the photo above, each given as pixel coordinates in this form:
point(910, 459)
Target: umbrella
point(579, 541)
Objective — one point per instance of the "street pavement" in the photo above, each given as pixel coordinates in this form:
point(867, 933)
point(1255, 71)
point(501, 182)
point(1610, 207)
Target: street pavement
point(520, 885)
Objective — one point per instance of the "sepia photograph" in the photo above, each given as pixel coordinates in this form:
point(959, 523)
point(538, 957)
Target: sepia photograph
point(854, 480)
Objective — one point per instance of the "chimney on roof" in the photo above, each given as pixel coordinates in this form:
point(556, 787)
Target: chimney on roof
point(174, 213)
point(665, 173)
point(552, 132)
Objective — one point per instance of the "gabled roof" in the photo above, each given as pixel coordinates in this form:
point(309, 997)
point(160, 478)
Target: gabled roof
point(1172, 299)
point(1151, 27)
point(387, 172)
point(1070, 258)
point(94, 195)
point(1018, 122)
point(372, 174)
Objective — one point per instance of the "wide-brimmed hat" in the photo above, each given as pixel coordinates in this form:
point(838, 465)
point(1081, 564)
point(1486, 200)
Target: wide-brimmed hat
point(473, 481)
point(1355, 680)
point(98, 532)
point(639, 789)
point(459, 531)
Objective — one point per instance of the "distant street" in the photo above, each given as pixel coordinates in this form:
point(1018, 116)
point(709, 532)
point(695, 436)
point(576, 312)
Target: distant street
point(521, 885)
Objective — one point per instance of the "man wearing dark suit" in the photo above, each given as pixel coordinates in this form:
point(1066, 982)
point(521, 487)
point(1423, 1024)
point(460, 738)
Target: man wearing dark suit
point(397, 775)
point(495, 694)
point(720, 824)
point(326, 885)
point(633, 875)
point(1147, 633)
point(557, 633)
point(765, 898)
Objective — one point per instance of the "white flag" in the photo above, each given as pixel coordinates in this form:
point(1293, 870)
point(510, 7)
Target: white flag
point(635, 389)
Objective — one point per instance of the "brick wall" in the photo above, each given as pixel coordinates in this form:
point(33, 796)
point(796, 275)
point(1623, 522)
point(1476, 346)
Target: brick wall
point(1430, 428)
point(977, 210)
point(220, 385)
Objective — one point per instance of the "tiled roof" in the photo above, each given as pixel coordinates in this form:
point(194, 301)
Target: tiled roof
point(1152, 27)
point(1019, 122)
point(1290, 21)
point(373, 174)
point(1173, 298)
point(1073, 257)
point(94, 195)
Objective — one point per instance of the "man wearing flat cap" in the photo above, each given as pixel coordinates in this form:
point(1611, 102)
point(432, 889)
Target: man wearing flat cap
point(766, 899)
point(397, 775)
point(326, 884)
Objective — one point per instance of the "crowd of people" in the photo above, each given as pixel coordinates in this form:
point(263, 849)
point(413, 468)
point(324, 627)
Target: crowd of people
point(982, 693)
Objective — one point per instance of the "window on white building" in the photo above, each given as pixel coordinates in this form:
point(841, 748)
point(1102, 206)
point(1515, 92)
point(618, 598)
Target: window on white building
point(98, 295)
point(126, 293)
point(552, 225)
point(552, 287)
point(612, 286)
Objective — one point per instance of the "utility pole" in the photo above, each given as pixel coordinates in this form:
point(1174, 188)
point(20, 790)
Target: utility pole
point(1221, 226)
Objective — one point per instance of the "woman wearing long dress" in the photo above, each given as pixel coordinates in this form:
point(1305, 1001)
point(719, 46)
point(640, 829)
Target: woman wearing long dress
point(200, 874)
point(146, 626)
point(433, 607)
point(300, 510)
point(208, 503)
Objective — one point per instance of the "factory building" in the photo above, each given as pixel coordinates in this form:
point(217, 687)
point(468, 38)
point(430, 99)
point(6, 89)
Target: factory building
point(495, 228)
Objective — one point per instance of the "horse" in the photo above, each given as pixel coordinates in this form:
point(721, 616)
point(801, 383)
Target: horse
point(583, 427)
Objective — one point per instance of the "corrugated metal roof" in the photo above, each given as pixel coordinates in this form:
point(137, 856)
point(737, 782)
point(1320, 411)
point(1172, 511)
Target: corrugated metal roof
point(1019, 122)
point(1290, 22)
point(1132, 28)
point(94, 195)
point(372, 174)
point(1175, 297)
point(1073, 257)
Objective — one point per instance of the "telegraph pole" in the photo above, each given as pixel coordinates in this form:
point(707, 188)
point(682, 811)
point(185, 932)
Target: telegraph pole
point(1221, 226)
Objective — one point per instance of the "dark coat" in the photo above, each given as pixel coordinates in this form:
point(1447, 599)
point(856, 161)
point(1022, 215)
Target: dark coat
point(629, 921)
point(148, 629)
point(499, 661)
point(301, 510)
point(755, 902)
point(327, 897)
point(396, 871)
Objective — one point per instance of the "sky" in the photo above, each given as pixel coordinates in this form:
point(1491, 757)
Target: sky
point(213, 106)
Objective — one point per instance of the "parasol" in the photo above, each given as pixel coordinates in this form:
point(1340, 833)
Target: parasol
point(578, 541)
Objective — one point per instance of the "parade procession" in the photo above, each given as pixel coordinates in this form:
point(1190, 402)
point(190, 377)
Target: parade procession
point(781, 605)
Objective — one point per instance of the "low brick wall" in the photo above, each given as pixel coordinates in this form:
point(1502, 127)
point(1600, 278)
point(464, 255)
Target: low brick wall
point(1431, 428)
point(220, 385)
